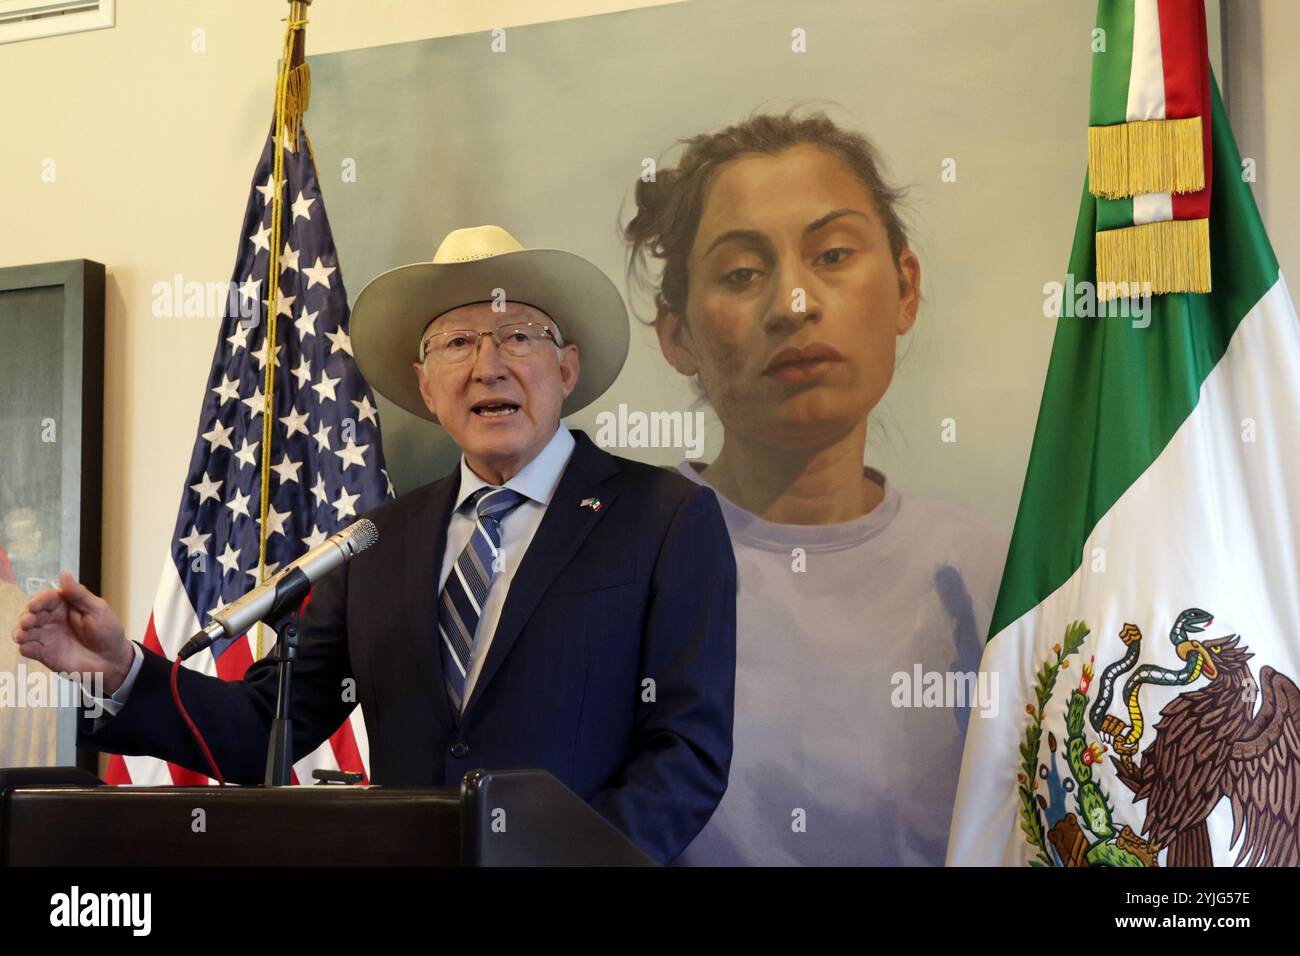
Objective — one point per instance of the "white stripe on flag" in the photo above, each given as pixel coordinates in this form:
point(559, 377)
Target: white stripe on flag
point(1146, 78)
point(1209, 524)
point(362, 738)
point(174, 620)
point(147, 772)
point(1152, 207)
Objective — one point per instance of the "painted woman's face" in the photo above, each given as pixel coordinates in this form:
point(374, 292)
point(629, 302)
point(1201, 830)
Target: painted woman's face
point(795, 303)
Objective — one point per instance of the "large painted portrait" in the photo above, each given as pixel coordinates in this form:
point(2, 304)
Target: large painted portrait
point(833, 224)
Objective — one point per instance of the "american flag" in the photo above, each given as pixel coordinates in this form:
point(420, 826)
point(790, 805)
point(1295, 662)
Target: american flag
point(327, 465)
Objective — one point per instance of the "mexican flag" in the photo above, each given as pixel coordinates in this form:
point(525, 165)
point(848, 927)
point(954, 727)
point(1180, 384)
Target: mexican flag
point(1146, 639)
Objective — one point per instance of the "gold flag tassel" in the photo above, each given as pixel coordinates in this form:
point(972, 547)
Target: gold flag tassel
point(1146, 156)
point(292, 92)
point(1173, 256)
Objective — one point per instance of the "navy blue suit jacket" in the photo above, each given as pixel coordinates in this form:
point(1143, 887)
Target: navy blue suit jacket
point(612, 666)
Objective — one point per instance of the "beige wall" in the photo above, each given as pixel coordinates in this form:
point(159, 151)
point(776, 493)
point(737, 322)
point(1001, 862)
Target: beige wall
point(154, 145)
point(1263, 96)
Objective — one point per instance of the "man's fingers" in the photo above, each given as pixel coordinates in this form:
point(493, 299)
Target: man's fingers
point(77, 594)
point(42, 617)
point(45, 599)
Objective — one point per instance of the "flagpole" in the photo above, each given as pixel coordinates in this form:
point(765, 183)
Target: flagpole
point(291, 96)
point(298, 12)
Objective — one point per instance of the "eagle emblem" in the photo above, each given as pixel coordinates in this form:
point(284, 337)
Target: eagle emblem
point(1210, 742)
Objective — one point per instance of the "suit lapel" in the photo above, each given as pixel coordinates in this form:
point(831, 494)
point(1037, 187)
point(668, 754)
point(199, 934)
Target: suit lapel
point(426, 539)
point(564, 527)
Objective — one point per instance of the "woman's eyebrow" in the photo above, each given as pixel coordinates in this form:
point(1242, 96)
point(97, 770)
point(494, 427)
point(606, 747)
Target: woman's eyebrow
point(753, 236)
point(757, 238)
point(830, 217)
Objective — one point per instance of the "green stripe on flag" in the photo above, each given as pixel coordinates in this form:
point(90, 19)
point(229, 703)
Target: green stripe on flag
point(1111, 67)
point(1115, 394)
point(1113, 213)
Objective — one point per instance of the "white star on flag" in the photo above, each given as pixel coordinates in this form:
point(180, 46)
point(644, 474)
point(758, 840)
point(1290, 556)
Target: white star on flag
point(339, 341)
point(316, 537)
point(238, 339)
point(238, 505)
point(289, 259)
point(318, 274)
point(322, 437)
point(261, 238)
point(260, 355)
point(219, 437)
point(228, 389)
point(249, 289)
point(306, 323)
point(366, 411)
point(267, 189)
point(352, 454)
point(229, 560)
point(287, 470)
point(302, 207)
point(326, 384)
point(274, 521)
point(344, 504)
point(303, 372)
point(255, 402)
point(207, 488)
point(295, 421)
point(284, 306)
point(246, 452)
point(318, 490)
point(196, 543)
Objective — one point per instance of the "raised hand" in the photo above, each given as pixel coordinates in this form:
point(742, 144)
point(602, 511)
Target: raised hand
point(70, 629)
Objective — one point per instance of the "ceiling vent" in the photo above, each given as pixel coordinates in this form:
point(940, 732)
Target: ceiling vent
point(30, 19)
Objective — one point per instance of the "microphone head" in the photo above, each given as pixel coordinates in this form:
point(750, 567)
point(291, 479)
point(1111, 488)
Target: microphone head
point(358, 536)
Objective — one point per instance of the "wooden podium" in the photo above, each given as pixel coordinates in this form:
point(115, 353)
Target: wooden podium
point(64, 816)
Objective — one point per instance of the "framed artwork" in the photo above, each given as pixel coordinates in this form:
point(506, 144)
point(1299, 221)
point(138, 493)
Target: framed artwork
point(51, 466)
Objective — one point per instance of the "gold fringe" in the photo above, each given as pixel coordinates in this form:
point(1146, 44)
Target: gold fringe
point(297, 98)
point(1146, 156)
point(1172, 256)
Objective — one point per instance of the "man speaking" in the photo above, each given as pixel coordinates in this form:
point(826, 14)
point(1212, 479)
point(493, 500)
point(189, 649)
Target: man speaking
point(547, 605)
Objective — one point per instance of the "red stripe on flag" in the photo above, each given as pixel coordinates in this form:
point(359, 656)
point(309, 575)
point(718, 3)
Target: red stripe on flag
point(346, 753)
point(117, 775)
point(1184, 49)
point(235, 660)
point(1182, 56)
point(151, 639)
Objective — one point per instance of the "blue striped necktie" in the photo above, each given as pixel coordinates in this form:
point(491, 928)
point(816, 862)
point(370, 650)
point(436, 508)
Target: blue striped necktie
point(467, 586)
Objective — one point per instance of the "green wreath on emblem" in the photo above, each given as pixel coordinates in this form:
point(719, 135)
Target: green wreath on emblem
point(1086, 837)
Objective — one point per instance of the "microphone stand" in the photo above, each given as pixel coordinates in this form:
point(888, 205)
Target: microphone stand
point(279, 747)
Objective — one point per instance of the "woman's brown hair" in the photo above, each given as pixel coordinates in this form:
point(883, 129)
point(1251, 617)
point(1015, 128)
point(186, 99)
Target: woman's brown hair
point(669, 206)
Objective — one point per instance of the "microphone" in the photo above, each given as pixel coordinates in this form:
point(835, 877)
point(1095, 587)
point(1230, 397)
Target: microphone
point(286, 588)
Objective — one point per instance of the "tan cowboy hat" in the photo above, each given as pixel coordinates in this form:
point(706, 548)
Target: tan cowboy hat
point(394, 308)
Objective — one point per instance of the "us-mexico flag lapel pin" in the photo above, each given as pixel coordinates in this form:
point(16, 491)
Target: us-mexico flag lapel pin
point(592, 503)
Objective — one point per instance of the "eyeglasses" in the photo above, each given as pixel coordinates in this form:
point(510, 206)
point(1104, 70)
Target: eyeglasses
point(516, 339)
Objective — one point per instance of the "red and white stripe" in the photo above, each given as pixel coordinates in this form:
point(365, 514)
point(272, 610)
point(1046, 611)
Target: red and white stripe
point(171, 624)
